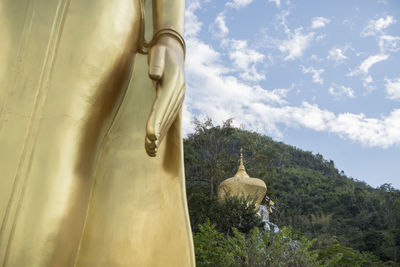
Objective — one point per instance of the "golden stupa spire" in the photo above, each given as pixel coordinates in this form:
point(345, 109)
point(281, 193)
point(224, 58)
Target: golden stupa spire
point(241, 170)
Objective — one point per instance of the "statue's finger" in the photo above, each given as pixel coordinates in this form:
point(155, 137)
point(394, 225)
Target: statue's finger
point(151, 147)
point(171, 119)
point(173, 96)
point(166, 91)
point(157, 62)
point(173, 109)
point(164, 96)
point(151, 129)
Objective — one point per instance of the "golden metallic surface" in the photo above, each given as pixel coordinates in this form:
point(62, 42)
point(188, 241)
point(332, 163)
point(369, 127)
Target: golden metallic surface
point(242, 185)
point(78, 112)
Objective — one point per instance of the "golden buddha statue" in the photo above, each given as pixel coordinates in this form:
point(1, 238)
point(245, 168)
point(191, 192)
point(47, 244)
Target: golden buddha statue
point(82, 107)
point(242, 185)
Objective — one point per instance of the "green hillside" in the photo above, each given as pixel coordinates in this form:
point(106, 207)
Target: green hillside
point(312, 196)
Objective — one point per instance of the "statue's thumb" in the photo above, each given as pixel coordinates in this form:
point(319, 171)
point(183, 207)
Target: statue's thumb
point(152, 131)
point(156, 62)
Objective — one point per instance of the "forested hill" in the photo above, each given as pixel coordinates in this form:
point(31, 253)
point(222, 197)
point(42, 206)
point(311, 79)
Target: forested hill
point(312, 196)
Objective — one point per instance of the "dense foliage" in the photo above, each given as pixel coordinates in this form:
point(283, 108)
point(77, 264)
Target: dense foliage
point(312, 196)
point(213, 249)
point(231, 213)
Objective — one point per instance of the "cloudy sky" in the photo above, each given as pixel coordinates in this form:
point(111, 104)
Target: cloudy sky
point(323, 76)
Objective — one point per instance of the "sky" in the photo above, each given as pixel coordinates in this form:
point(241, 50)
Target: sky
point(323, 76)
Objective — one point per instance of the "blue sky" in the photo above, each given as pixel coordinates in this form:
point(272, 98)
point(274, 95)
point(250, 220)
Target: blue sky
point(323, 76)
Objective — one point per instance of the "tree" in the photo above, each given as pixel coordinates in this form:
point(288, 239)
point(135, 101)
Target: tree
point(211, 248)
point(313, 197)
point(212, 154)
point(256, 249)
point(233, 212)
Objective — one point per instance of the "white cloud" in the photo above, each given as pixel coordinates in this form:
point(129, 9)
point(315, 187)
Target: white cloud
point(296, 44)
point(282, 93)
point(363, 69)
point(392, 88)
point(388, 43)
point(277, 2)
point(373, 132)
point(319, 22)
point(245, 60)
point(282, 20)
point(377, 26)
point(367, 83)
point(383, 132)
point(383, 23)
point(341, 91)
point(368, 79)
point(337, 55)
point(239, 3)
point(192, 23)
point(316, 74)
point(206, 72)
point(368, 63)
point(213, 91)
point(252, 75)
point(219, 26)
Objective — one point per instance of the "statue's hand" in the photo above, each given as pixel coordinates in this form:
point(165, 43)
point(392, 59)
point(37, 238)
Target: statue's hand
point(166, 65)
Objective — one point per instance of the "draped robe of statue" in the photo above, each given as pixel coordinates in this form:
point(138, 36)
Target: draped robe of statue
point(76, 185)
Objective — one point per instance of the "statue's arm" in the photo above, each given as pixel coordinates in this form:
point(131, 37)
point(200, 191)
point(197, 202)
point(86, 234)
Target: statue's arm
point(166, 68)
point(168, 14)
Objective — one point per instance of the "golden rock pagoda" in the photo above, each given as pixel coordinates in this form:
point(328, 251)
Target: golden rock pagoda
point(242, 185)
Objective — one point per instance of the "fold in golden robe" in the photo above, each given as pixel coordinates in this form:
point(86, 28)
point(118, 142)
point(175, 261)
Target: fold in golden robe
point(76, 185)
